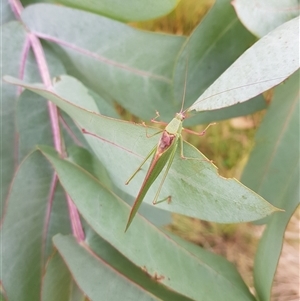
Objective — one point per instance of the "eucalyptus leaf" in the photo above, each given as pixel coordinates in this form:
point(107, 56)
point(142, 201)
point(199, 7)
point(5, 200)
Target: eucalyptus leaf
point(10, 57)
point(58, 283)
point(209, 39)
point(267, 63)
point(22, 231)
point(120, 146)
point(270, 245)
point(6, 12)
point(98, 206)
point(273, 171)
point(275, 156)
point(131, 10)
point(95, 278)
point(131, 66)
point(216, 261)
point(261, 18)
point(33, 124)
point(210, 49)
point(118, 261)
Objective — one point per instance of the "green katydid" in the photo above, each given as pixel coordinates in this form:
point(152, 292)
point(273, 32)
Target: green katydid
point(163, 153)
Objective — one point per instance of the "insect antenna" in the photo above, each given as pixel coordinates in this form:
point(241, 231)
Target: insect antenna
point(185, 81)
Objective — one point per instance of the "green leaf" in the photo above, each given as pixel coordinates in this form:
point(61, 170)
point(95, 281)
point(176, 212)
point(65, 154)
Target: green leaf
point(208, 52)
point(11, 54)
point(33, 123)
point(59, 220)
point(58, 283)
point(119, 262)
point(217, 262)
point(89, 162)
point(95, 278)
point(130, 10)
point(22, 232)
point(273, 171)
point(261, 18)
point(270, 245)
point(137, 72)
point(142, 242)
point(123, 145)
point(34, 212)
point(266, 64)
point(6, 12)
point(105, 107)
point(210, 49)
point(136, 77)
point(275, 156)
point(257, 103)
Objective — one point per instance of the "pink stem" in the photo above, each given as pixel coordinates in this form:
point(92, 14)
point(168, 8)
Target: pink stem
point(76, 223)
point(16, 7)
point(53, 112)
point(43, 67)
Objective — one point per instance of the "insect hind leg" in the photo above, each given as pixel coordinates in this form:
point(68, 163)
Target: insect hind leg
point(168, 199)
point(190, 158)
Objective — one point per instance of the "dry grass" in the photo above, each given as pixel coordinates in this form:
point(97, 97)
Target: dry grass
point(228, 144)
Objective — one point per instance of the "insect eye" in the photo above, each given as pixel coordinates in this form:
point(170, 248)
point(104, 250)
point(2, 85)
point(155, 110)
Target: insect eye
point(180, 116)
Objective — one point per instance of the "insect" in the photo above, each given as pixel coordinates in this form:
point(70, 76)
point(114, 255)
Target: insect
point(162, 154)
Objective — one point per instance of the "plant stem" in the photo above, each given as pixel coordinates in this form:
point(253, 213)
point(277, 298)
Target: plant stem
point(37, 48)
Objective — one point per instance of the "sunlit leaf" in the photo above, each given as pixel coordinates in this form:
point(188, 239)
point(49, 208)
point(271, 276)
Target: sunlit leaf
point(273, 171)
point(262, 17)
point(266, 64)
point(210, 49)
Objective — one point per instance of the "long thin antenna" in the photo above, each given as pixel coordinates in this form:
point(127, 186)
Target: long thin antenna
point(185, 80)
